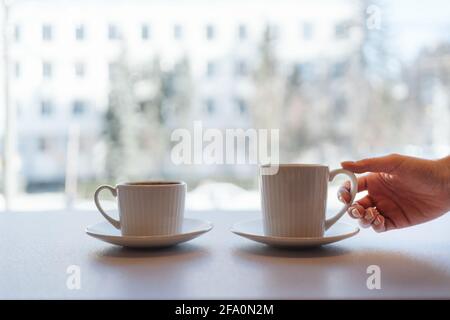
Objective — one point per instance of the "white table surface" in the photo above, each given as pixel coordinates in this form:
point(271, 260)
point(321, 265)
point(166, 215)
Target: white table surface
point(36, 249)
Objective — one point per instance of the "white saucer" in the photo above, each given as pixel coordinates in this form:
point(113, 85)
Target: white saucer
point(192, 228)
point(253, 230)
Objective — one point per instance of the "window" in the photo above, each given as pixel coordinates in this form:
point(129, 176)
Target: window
point(210, 69)
point(307, 31)
point(340, 107)
point(226, 70)
point(79, 32)
point(273, 32)
point(113, 32)
point(341, 30)
point(47, 70)
point(78, 107)
point(46, 108)
point(241, 68)
point(17, 33)
point(241, 106)
point(242, 32)
point(17, 70)
point(43, 144)
point(80, 69)
point(338, 69)
point(210, 106)
point(210, 32)
point(177, 32)
point(112, 70)
point(47, 32)
point(304, 71)
point(19, 108)
point(145, 32)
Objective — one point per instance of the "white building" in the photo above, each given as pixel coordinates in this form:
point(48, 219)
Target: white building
point(60, 53)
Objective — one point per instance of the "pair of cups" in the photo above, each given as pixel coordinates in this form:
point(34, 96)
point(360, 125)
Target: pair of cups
point(293, 203)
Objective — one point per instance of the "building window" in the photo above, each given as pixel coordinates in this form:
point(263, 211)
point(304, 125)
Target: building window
point(210, 106)
point(341, 30)
point(47, 32)
point(19, 109)
point(43, 144)
point(78, 107)
point(210, 69)
point(177, 32)
point(308, 31)
point(80, 69)
point(340, 107)
point(273, 32)
point(79, 32)
point(241, 68)
point(242, 32)
point(113, 70)
point(145, 32)
point(241, 105)
point(304, 71)
point(339, 69)
point(17, 33)
point(210, 32)
point(47, 70)
point(46, 108)
point(113, 32)
point(17, 70)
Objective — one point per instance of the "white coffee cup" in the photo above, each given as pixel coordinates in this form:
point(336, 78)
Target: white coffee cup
point(147, 208)
point(294, 199)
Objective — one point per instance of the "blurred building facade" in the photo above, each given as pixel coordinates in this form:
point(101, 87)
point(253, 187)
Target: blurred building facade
point(430, 86)
point(62, 51)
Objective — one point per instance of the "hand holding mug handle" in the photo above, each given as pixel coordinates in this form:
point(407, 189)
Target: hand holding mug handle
point(114, 222)
point(353, 191)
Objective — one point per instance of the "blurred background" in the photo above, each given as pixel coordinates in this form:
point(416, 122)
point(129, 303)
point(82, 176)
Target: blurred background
point(91, 90)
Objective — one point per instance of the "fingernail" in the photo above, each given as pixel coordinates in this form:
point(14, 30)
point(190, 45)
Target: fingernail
point(356, 213)
point(369, 214)
point(377, 221)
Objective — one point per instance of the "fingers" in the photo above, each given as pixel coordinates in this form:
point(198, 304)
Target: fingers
point(388, 224)
point(382, 223)
point(356, 211)
point(370, 217)
point(385, 164)
point(378, 224)
point(374, 219)
point(344, 191)
point(344, 195)
point(364, 209)
point(366, 202)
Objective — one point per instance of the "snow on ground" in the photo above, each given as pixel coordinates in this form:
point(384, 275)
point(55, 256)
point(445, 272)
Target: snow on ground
point(208, 196)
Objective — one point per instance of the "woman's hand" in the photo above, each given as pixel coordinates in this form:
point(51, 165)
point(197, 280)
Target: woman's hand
point(402, 191)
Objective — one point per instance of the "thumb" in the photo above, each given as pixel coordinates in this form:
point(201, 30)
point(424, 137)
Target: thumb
point(385, 164)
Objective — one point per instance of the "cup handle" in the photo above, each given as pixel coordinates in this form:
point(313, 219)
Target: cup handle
point(353, 191)
point(114, 222)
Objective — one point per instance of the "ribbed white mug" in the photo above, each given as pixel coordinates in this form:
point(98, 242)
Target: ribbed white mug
point(294, 200)
point(147, 208)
